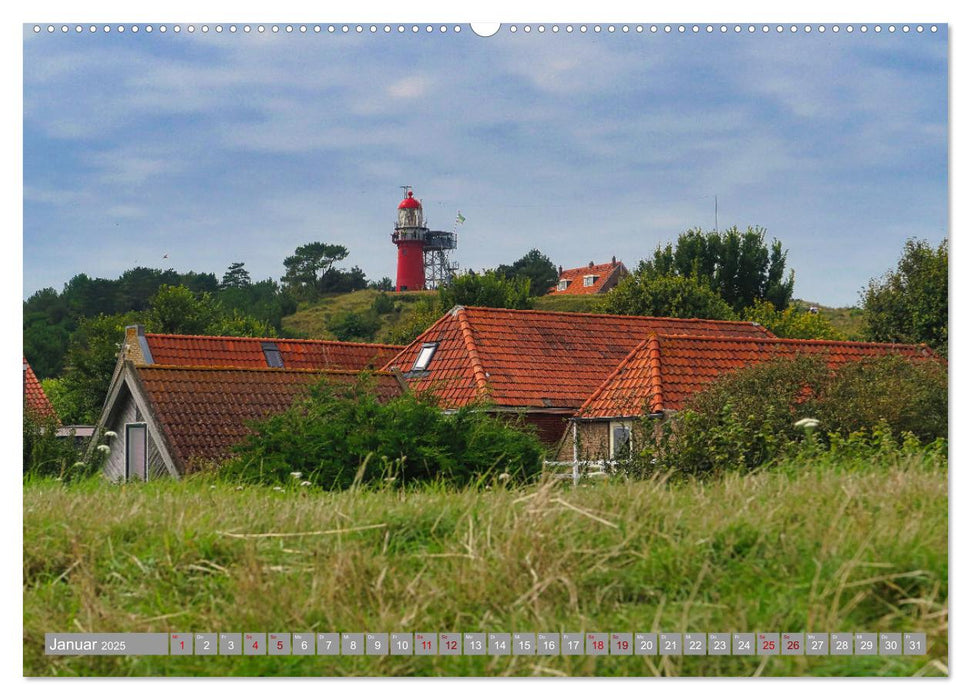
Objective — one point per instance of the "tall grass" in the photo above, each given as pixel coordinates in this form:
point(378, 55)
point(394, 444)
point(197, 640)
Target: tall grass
point(844, 545)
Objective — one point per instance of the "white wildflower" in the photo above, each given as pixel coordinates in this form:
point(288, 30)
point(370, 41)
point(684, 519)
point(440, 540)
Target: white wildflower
point(277, 488)
point(305, 483)
point(104, 448)
point(504, 477)
point(391, 479)
point(807, 423)
point(239, 488)
point(296, 475)
point(110, 434)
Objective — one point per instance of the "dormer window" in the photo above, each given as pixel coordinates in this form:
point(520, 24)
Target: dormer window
point(424, 357)
point(272, 354)
point(562, 285)
point(589, 280)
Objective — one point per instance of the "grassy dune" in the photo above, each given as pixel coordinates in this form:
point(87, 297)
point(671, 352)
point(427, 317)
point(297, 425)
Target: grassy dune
point(853, 546)
point(310, 320)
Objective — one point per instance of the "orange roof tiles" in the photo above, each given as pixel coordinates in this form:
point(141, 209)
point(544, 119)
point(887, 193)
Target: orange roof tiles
point(536, 359)
point(35, 400)
point(205, 411)
point(663, 371)
point(574, 278)
point(218, 351)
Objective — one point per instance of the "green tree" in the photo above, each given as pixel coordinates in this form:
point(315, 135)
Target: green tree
point(910, 304)
point(385, 284)
point(178, 310)
point(739, 266)
point(534, 266)
point(91, 358)
point(791, 322)
point(485, 289)
point(305, 269)
point(236, 276)
point(644, 294)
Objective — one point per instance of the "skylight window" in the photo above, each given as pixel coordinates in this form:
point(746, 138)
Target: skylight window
point(272, 354)
point(424, 357)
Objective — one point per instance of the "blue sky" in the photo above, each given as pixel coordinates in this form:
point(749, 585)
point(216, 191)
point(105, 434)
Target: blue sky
point(215, 148)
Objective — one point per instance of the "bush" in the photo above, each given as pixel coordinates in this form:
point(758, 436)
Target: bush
point(747, 419)
point(340, 435)
point(643, 294)
point(740, 421)
point(791, 322)
point(46, 455)
point(353, 326)
point(909, 397)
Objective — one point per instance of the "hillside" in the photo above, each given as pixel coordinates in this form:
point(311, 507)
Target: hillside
point(310, 319)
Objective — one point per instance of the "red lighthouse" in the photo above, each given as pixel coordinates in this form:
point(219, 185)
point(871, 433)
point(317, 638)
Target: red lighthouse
point(409, 235)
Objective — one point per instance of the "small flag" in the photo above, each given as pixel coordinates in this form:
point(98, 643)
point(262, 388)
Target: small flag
point(460, 219)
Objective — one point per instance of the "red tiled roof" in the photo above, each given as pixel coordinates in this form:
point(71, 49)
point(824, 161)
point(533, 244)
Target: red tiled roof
point(575, 277)
point(219, 351)
point(204, 411)
point(537, 359)
point(35, 400)
point(662, 372)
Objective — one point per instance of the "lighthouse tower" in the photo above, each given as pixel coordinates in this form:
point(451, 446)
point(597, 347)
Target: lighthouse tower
point(409, 235)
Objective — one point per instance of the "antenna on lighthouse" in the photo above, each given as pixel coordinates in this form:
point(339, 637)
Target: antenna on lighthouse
point(405, 190)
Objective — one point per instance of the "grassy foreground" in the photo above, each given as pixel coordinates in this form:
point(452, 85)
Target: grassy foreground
point(854, 546)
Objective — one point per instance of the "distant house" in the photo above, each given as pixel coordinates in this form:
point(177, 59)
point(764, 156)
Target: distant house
point(177, 402)
point(35, 400)
point(663, 371)
point(542, 364)
point(592, 279)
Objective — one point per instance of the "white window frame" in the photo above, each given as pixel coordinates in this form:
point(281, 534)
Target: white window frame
point(562, 285)
point(629, 427)
point(129, 474)
point(589, 280)
point(426, 353)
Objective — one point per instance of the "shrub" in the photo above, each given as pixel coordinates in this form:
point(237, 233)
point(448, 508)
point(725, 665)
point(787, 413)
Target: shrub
point(909, 397)
point(46, 455)
point(382, 304)
point(339, 435)
point(740, 421)
point(747, 419)
point(643, 294)
point(353, 326)
point(791, 322)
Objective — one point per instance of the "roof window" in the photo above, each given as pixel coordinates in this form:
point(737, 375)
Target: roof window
point(589, 280)
point(272, 354)
point(424, 357)
point(562, 285)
